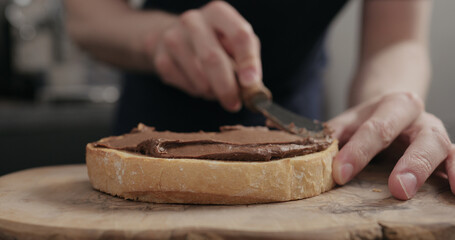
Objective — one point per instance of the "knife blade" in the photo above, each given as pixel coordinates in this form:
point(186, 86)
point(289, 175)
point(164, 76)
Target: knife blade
point(258, 98)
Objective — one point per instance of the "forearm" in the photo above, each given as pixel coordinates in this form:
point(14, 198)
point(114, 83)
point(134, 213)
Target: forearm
point(113, 32)
point(394, 49)
point(403, 67)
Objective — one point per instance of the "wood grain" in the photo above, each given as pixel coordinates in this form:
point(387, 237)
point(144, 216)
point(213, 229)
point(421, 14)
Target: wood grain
point(59, 203)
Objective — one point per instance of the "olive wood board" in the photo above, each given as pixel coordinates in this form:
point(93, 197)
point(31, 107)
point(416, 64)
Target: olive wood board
point(59, 203)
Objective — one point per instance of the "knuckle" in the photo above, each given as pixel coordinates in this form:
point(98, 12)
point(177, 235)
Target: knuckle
point(407, 98)
point(415, 99)
point(421, 161)
point(244, 34)
point(436, 129)
point(211, 57)
point(441, 137)
point(361, 154)
point(189, 16)
point(198, 72)
point(217, 6)
point(385, 130)
point(436, 121)
point(162, 63)
point(171, 38)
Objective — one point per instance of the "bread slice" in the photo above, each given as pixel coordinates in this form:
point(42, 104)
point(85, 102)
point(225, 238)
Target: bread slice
point(196, 181)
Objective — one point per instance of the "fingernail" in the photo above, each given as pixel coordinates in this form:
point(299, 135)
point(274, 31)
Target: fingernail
point(248, 77)
point(346, 171)
point(408, 182)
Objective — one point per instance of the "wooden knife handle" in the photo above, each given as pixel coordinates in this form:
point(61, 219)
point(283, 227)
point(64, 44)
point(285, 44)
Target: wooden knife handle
point(249, 94)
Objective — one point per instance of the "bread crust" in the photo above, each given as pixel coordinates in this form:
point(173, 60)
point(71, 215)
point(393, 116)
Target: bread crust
point(196, 181)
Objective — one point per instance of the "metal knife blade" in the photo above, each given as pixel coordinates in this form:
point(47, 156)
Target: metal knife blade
point(259, 99)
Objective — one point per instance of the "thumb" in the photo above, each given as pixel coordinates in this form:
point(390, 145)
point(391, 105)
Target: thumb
point(450, 167)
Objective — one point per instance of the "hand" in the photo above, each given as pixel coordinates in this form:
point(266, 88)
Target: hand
point(371, 127)
point(195, 54)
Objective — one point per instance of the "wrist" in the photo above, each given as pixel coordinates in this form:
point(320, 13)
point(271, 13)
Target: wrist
point(150, 39)
point(402, 68)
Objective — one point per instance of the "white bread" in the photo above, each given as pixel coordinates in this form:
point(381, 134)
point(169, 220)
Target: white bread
point(197, 181)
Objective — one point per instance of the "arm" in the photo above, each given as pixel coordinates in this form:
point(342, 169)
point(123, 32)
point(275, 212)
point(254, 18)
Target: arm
point(113, 32)
point(193, 51)
point(394, 50)
point(387, 97)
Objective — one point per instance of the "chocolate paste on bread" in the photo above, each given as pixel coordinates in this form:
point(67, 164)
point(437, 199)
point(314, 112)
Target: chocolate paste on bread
point(237, 143)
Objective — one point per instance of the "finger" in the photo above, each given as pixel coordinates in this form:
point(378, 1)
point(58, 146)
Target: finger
point(239, 39)
point(181, 51)
point(429, 147)
point(393, 114)
point(171, 74)
point(215, 61)
point(345, 124)
point(450, 167)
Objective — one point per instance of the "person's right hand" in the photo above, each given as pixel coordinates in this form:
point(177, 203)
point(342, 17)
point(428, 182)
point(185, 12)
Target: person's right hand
point(195, 54)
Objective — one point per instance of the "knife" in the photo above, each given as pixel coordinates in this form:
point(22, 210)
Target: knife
point(258, 98)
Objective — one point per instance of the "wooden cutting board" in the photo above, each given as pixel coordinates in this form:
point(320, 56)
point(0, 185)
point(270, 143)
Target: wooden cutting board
point(58, 203)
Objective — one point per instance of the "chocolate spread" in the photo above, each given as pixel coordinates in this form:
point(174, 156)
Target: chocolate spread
point(235, 143)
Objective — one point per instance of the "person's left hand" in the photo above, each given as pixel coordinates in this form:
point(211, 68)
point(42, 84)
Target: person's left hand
point(369, 128)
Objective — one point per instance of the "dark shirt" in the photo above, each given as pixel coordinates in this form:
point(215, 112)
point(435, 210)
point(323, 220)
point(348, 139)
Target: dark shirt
point(292, 52)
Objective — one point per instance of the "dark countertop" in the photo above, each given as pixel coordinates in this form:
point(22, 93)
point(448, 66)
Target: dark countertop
point(41, 134)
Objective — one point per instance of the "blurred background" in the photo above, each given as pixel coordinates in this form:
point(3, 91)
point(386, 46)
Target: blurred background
point(54, 99)
point(342, 42)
